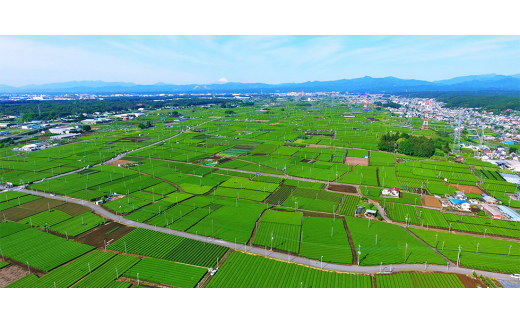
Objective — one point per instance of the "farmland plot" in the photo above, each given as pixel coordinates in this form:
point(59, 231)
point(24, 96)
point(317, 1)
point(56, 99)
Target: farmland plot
point(166, 272)
point(418, 280)
point(475, 252)
point(108, 272)
point(42, 250)
point(393, 242)
point(325, 237)
point(247, 271)
point(169, 247)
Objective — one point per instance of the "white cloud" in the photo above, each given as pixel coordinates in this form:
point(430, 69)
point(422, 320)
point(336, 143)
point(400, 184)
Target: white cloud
point(223, 80)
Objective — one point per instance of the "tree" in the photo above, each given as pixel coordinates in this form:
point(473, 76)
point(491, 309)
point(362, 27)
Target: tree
point(513, 150)
point(400, 141)
point(405, 147)
point(86, 127)
point(145, 125)
point(446, 147)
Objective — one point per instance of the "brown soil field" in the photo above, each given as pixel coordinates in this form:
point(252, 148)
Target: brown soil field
point(72, 209)
point(119, 161)
point(356, 161)
point(31, 208)
point(343, 188)
point(470, 281)
point(431, 201)
point(467, 189)
point(12, 273)
point(97, 236)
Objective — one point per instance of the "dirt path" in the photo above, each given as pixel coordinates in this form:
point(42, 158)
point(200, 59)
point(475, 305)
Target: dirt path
point(350, 241)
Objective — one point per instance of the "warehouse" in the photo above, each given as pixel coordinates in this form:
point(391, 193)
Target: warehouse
point(510, 213)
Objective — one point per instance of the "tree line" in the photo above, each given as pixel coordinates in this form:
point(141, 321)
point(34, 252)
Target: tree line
point(406, 144)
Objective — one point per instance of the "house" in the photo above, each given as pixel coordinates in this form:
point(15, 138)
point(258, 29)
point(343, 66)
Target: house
point(485, 157)
point(465, 206)
point(459, 195)
point(390, 192)
point(460, 159)
point(488, 199)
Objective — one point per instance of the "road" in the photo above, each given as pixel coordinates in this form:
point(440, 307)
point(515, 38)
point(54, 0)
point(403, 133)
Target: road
point(264, 251)
point(125, 153)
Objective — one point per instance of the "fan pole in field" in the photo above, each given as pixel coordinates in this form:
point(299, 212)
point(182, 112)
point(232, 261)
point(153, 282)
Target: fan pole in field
point(458, 257)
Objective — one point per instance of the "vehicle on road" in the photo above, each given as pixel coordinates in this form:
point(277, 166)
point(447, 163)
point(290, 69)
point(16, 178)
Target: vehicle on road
point(515, 276)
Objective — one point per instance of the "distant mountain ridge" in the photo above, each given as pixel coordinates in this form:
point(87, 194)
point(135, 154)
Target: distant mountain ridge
point(364, 84)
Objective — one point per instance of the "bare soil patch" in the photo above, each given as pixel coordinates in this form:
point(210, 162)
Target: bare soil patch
point(470, 281)
point(72, 209)
point(120, 162)
point(356, 161)
point(97, 236)
point(12, 273)
point(467, 188)
point(31, 208)
point(343, 188)
point(431, 201)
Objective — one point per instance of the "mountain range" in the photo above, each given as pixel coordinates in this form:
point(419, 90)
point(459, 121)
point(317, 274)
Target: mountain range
point(486, 82)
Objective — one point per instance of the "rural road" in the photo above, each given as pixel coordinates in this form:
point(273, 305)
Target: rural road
point(264, 251)
point(125, 153)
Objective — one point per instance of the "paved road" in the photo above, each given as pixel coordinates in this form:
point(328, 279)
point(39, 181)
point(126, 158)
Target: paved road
point(265, 251)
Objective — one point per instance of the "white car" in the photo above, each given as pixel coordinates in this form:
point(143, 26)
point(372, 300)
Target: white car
point(515, 276)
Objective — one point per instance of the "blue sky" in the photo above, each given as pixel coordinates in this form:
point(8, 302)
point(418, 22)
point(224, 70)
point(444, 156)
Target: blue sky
point(267, 59)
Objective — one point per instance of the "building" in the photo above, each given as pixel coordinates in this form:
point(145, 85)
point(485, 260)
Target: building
point(390, 192)
point(30, 126)
point(460, 159)
point(62, 130)
point(491, 210)
point(512, 215)
point(32, 147)
point(65, 136)
point(459, 195)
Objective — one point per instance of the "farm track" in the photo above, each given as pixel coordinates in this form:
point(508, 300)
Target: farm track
point(350, 241)
point(275, 254)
